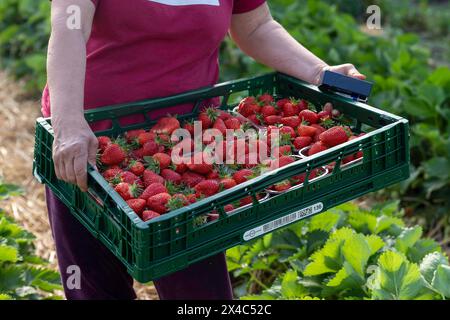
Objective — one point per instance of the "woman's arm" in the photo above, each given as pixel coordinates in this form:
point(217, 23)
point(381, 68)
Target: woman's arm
point(75, 144)
point(265, 40)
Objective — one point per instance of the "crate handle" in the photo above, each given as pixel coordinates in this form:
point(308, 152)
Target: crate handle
point(94, 196)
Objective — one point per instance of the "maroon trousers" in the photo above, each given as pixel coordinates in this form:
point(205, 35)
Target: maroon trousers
point(102, 276)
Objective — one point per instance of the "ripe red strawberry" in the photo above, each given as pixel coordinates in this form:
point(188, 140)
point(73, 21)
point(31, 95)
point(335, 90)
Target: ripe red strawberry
point(281, 162)
point(242, 175)
point(302, 142)
point(255, 118)
point(137, 205)
point(334, 136)
point(127, 191)
point(170, 175)
point(103, 142)
point(348, 159)
point(220, 125)
point(316, 148)
point(290, 109)
point(110, 173)
point(208, 117)
point(181, 168)
point(150, 177)
point(228, 208)
point(306, 131)
point(200, 167)
point(319, 130)
point(271, 120)
point(136, 167)
point(158, 202)
point(323, 115)
point(268, 110)
point(212, 175)
point(133, 134)
point(265, 98)
point(224, 115)
point(282, 186)
point(286, 130)
point(303, 105)
point(191, 198)
point(309, 116)
point(191, 178)
point(233, 123)
point(189, 126)
point(163, 159)
point(280, 103)
point(166, 125)
point(228, 183)
point(207, 187)
point(153, 189)
point(149, 148)
point(149, 215)
point(137, 154)
point(283, 150)
point(248, 200)
point(112, 155)
point(145, 137)
point(128, 177)
point(248, 109)
point(291, 121)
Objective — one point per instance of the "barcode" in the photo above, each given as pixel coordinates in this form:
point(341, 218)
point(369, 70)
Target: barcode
point(281, 222)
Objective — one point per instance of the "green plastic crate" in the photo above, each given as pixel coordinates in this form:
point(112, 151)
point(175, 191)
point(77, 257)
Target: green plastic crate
point(173, 241)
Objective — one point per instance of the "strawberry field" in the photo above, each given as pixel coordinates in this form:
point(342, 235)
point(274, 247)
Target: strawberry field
point(390, 244)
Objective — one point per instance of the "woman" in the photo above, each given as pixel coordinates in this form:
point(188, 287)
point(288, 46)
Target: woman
point(132, 50)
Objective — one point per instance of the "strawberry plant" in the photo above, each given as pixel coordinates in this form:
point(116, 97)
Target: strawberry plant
point(22, 274)
point(345, 253)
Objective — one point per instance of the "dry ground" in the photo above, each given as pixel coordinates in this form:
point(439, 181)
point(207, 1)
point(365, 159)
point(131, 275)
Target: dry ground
point(17, 117)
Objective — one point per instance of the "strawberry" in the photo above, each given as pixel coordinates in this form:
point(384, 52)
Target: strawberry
point(255, 118)
point(281, 162)
point(323, 115)
point(207, 187)
point(136, 167)
point(177, 201)
point(316, 148)
point(212, 175)
point(271, 120)
point(283, 150)
point(233, 123)
point(303, 105)
point(111, 172)
point(309, 116)
point(328, 107)
point(191, 198)
point(128, 177)
point(265, 98)
point(268, 110)
point(158, 202)
point(287, 131)
point(290, 109)
point(282, 102)
point(149, 148)
point(348, 159)
point(302, 142)
point(242, 175)
point(132, 135)
point(224, 115)
point(166, 125)
point(137, 154)
point(171, 175)
point(112, 155)
point(127, 191)
point(306, 131)
point(190, 178)
point(137, 205)
point(335, 113)
point(227, 183)
point(150, 177)
point(202, 167)
point(282, 186)
point(149, 214)
point(220, 125)
point(248, 109)
point(248, 200)
point(208, 117)
point(153, 189)
point(145, 137)
point(228, 208)
point(103, 142)
point(334, 136)
point(163, 159)
point(181, 168)
point(189, 126)
point(291, 121)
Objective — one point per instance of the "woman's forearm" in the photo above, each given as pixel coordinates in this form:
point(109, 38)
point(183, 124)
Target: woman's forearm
point(273, 46)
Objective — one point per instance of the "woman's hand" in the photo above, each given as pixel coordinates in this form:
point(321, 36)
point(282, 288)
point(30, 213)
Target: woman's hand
point(345, 69)
point(73, 147)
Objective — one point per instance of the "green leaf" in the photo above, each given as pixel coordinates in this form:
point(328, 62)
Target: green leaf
point(357, 251)
point(5, 297)
point(396, 278)
point(421, 248)
point(290, 287)
point(438, 167)
point(408, 238)
point(325, 221)
point(375, 243)
point(8, 253)
point(430, 263)
point(441, 280)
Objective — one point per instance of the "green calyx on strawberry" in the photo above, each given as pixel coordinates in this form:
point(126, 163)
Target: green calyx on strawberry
point(128, 191)
point(208, 117)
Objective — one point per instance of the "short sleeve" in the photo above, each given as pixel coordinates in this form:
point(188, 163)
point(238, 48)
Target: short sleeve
point(95, 2)
point(242, 6)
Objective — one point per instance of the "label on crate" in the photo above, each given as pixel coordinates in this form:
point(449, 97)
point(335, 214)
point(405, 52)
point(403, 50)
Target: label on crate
point(283, 221)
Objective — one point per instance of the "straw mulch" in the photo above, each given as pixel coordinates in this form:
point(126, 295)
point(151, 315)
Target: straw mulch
point(17, 117)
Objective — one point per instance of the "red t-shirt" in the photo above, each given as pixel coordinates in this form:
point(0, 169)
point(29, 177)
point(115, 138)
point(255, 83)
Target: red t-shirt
point(143, 49)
